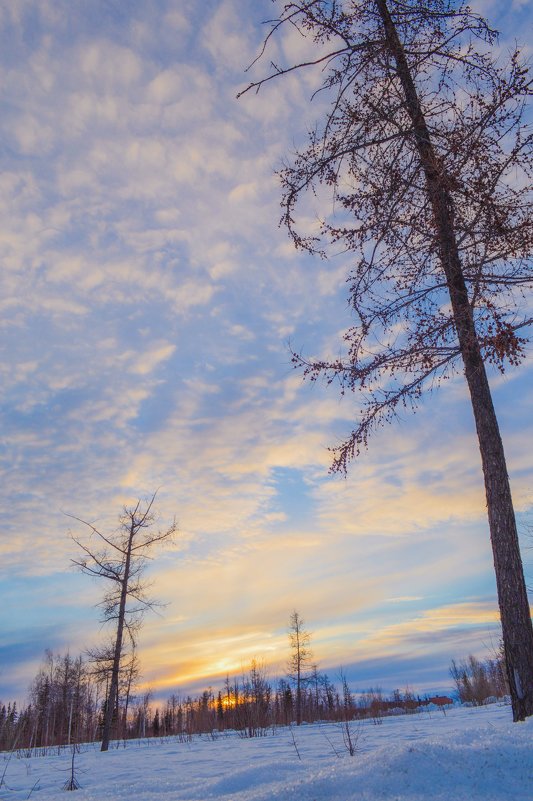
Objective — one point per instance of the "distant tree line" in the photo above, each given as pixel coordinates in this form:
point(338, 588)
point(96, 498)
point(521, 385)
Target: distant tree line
point(67, 704)
point(68, 699)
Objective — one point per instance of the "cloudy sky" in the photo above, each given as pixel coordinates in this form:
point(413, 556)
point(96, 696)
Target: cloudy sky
point(147, 300)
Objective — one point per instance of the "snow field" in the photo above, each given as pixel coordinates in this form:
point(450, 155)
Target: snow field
point(467, 755)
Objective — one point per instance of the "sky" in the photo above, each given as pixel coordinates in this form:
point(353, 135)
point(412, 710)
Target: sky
point(149, 300)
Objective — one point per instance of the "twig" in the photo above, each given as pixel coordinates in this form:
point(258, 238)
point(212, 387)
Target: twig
point(337, 753)
point(33, 788)
point(294, 742)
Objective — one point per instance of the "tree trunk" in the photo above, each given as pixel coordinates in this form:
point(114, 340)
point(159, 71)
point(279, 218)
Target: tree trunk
point(112, 698)
point(517, 629)
point(298, 677)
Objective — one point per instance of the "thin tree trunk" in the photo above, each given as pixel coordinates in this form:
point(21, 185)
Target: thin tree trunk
point(126, 704)
point(517, 629)
point(113, 688)
point(298, 681)
point(70, 720)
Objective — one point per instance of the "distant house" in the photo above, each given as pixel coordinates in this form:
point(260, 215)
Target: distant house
point(438, 700)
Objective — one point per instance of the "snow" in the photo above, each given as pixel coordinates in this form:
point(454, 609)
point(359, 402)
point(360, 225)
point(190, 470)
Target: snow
point(474, 754)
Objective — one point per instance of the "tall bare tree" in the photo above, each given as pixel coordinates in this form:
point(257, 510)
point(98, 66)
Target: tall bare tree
point(120, 559)
point(300, 662)
point(426, 156)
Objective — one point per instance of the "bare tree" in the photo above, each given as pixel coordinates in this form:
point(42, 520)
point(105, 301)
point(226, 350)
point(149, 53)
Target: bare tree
point(60, 701)
point(477, 680)
point(121, 561)
point(426, 156)
point(300, 665)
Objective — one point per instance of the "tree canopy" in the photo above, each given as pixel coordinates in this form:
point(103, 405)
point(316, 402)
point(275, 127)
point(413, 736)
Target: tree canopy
point(364, 155)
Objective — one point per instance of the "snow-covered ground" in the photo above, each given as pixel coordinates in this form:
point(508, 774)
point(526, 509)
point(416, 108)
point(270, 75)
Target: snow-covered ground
point(467, 755)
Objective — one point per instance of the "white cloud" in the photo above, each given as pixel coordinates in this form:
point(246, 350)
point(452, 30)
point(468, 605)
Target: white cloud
point(152, 358)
